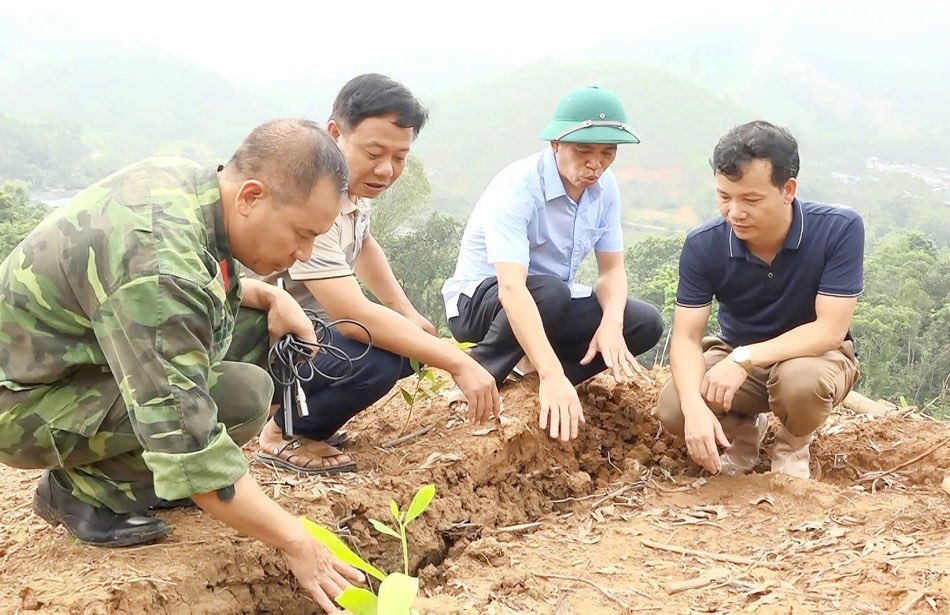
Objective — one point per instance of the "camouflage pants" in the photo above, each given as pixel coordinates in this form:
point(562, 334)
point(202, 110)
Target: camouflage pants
point(80, 427)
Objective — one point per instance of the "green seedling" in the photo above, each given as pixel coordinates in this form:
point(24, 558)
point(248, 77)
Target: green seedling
point(419, 503)
point(426, 385)
point(398, 590)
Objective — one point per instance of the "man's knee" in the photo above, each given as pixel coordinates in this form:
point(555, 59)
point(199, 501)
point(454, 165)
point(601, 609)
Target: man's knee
point(669, 411)
point(243, 395)
point(552, 296)
point(643, 326)
point(801, 393)
point(381, 372)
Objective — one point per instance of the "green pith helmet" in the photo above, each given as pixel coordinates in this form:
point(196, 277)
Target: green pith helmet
point(589, 115)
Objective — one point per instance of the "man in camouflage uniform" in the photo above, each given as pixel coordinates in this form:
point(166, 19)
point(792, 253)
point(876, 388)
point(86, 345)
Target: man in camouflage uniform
point(117, 372)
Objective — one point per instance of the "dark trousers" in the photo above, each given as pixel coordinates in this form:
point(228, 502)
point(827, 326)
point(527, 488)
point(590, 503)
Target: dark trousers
point(569, 324)
point(332, 403)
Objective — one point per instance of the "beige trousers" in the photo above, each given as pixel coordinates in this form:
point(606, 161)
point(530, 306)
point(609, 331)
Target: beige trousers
point(801, 391)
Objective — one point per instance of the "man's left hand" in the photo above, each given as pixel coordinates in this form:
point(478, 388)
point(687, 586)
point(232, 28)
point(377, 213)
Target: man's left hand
point(722, 381)
point(286, 316)
point(608, 341)
point(422, 322)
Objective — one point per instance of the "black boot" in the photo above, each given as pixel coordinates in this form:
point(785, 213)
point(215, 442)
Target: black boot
point(97, 526)
point(169, 504)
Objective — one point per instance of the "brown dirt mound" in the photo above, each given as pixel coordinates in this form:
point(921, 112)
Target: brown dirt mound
point(471, 562)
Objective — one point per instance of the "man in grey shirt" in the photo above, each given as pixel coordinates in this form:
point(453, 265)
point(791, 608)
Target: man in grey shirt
point(374, 122)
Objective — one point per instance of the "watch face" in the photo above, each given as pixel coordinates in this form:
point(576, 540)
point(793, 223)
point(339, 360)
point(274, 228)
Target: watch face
point(741, 355)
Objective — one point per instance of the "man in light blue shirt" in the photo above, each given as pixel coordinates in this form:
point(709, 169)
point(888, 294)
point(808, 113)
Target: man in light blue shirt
point(514, 293)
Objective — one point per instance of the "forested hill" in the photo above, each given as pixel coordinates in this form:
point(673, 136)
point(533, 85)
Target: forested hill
point(122, 107)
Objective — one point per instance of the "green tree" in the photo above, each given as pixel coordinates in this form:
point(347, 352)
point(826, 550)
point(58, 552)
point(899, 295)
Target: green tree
point(47, 155)
point(403, 203)
point(902, 323)
point(647, 257)
point(422, 258)
point(18, 215)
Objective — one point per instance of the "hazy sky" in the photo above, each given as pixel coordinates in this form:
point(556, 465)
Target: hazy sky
point(277, 40)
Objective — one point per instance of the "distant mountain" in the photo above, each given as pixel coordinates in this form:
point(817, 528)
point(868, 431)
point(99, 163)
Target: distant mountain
point(851, 88)
point(103, 103)
point(133, 104)
point(477, 130)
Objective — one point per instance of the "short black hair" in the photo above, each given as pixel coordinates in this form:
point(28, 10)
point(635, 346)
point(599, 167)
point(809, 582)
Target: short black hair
point(757, 140)
point(292, 156)
point(375, 95)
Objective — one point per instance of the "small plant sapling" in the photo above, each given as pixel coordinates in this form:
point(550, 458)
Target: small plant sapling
point(397, 590)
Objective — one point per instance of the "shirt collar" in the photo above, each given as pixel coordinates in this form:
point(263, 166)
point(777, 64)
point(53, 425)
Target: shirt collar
point(796, 231)
point(551, 185)
point(793, 240)
point(208, 192)
point(348, 207)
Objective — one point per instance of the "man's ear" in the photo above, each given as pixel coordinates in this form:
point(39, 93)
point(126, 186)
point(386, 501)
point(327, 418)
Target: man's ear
point(554, 146)
point(248, 195)
point(335, 131)
point(789, 189)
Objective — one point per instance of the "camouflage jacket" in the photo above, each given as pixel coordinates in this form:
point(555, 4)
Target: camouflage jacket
point(135, 275)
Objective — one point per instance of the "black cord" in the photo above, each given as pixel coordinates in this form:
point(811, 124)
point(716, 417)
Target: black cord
point(288, 356)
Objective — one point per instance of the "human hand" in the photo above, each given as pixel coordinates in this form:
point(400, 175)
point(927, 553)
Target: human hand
point(722, 381)
point(321, 575)
point(560, 407)
point(480, 390)
point(422, 322)
point(609, 342)
point(286, 316)
point(703, 432)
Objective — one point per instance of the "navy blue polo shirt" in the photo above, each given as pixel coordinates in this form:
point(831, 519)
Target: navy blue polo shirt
point(823, 253)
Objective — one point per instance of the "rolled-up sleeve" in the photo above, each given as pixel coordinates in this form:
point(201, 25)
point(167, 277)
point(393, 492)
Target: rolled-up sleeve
point(327, 260)
point(157, 336)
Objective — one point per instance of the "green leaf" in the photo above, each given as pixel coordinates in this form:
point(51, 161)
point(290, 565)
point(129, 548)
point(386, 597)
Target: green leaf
point(397, 593)
point(465, 345)
point(358, 601)
point(394, 509)
point(428, 373)
point(406, 395)
point(338, 549)
point(420, 502)
point(382, 528)
point(416, 367)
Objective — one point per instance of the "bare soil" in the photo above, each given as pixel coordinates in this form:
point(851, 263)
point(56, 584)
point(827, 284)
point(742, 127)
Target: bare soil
point(607, 519)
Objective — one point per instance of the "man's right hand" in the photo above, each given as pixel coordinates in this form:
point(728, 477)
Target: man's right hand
point(321, 575)
point(479, 389)
point(252, 513)
point(703, 432)
point(560, 407)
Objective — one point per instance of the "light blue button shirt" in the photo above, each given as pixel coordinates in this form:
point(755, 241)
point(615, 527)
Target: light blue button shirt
point(525, 216)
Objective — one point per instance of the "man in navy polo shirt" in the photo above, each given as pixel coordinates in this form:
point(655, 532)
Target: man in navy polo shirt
point(786, 274)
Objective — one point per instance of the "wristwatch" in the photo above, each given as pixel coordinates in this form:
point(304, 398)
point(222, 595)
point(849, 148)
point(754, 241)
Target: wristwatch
point(743, 357)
